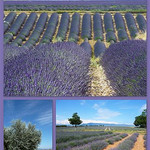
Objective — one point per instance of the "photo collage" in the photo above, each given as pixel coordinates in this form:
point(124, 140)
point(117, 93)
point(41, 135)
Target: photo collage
point(74, 75)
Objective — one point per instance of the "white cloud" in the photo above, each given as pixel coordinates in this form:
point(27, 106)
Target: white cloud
point(45, 118)
point(64, 122)
point(95, 106)
point(98, 121)
point(143, 107)
point(85, 121)
point(31, 104)
point(82, 102)
point(104, 113)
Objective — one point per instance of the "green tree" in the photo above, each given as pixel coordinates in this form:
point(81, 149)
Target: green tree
point(75, 120)
point(20, 136)
point(140, 121)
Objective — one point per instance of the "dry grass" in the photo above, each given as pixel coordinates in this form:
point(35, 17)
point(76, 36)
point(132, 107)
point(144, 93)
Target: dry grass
point(141, 36)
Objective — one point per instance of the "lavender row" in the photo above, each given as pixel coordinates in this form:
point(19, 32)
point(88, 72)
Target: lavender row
point(97, 26)
point(109, 28)
point(100, 144)
point(63, 28)
point(75, 27)
point(34, 37)
point(120, 26)
point(111, 37)
point(77, 143)
point(14, 29)
point(122, 35)
point(28, 26)
point(9, 20)
point(51, 28)
point(119, 21)
point(99, 48)
point(75, 5)
point(131, 25)
point(74, 30)
point(108, 22)
point(128, 143)
point(17, 24)
point(59, 69)
point(145, 140)
point(116, 138)
point(87, 47)
point(68, 136)
point(141, 22)
point(126, 78)
point(86, 26)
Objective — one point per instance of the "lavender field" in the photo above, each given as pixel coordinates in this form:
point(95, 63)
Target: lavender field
point(98, 138)
point(75, 50)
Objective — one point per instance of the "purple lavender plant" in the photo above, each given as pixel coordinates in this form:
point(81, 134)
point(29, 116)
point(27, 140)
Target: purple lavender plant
point(125, 67)
point(59, 69)
point(128, 143)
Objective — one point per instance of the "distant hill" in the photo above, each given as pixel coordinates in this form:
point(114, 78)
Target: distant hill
point(43, 149)
point(104, 124)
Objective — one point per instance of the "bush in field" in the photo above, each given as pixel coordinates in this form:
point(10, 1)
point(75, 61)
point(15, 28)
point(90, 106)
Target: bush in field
point(59, 69)
point(21, 137)
point(125, 66)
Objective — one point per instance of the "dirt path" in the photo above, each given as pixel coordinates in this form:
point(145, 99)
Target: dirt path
point(139, 144)
point(116, 143)
point(99, 86)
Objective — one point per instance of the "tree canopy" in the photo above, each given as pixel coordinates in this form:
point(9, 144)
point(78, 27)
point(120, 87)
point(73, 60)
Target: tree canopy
point(140, 121)
point(21, 136)
point(75, 120)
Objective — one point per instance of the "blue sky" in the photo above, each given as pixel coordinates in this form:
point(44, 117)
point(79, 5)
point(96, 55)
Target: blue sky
point(100, 111)
point(38, 112)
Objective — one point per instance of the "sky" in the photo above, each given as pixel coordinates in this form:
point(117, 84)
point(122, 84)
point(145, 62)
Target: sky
point(100, 111)
point(37, 112)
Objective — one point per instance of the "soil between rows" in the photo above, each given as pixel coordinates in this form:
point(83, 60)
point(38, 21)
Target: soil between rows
point(116, 143)
point(139, 144)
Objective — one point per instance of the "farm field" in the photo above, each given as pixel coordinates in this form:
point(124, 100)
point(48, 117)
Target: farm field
point(90, 33)
point(99, 137)
point(115, 32)
point(100, 125)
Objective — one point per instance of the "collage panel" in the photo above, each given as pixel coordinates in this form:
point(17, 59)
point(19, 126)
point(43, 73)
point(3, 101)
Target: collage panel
point(75, 75)
point(71, 48)
point(101, 124)
point(28, 124)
